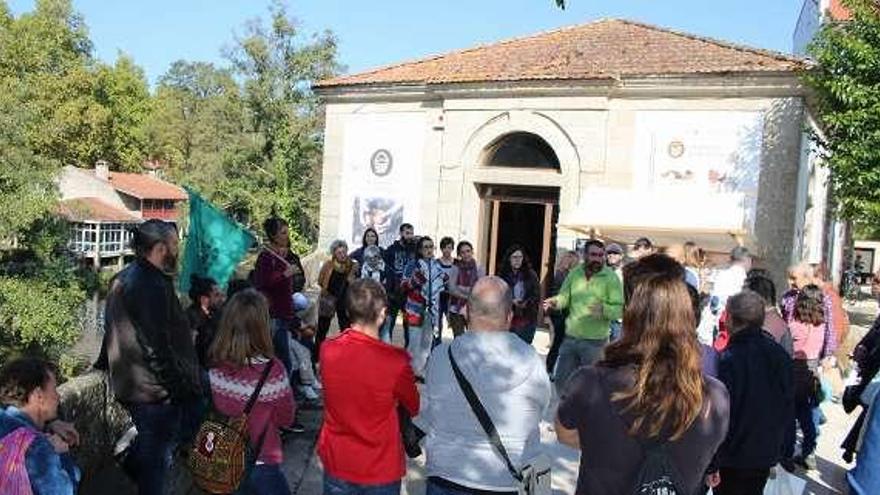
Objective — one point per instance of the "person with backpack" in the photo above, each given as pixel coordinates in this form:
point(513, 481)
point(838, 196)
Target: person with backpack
point(808, 331)
point(33, 458)
point(757, 373)
point(366, 383)
point(242, 359)
point(645, 417)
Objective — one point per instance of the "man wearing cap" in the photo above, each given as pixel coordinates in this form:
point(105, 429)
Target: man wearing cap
point(614, 262)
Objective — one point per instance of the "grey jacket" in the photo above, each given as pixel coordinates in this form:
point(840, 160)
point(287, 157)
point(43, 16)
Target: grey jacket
point(511, 381)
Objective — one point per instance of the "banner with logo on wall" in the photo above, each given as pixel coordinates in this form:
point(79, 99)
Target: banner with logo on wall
point(381, 175)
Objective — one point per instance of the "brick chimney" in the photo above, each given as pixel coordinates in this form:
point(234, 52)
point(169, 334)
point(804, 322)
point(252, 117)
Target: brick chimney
point(102, 170)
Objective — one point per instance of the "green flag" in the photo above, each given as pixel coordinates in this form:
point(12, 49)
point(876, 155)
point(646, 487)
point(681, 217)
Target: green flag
point(215, 244)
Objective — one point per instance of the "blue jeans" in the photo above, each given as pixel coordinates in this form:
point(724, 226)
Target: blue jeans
point(264, 479)
point(150, 457)
point(391, 321)
point(280, 342)
point(336, 486)
point(575, 353)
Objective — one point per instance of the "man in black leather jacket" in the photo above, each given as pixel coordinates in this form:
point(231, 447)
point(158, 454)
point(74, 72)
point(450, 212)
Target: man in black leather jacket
point(152, 360)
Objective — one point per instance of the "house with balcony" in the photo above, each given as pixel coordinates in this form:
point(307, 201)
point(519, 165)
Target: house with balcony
point(102, 207)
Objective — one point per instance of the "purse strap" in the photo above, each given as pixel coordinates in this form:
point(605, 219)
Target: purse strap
point(253, 398)
point(482, 416)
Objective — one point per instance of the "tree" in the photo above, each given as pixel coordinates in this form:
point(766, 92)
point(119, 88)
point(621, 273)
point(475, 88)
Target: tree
point(278, 66)
point(198, 123)
point(845, 84)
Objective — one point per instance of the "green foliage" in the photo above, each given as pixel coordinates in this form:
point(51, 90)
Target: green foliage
point(37, 313)
point(250, 140)
point(846, 87)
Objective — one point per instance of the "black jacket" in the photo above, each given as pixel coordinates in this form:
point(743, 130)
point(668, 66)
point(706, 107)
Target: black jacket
point(148, 342)
point(758, 375)
point(397, 257)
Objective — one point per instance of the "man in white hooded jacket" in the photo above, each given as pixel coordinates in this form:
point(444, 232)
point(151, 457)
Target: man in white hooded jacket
point(510, 380)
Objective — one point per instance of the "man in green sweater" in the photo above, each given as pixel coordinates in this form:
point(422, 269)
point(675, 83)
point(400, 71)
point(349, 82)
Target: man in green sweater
point(593, 296)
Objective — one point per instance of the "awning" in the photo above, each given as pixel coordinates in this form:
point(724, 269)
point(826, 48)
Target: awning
point(716, 241)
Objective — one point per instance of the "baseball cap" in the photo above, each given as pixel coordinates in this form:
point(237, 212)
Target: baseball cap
point(613, 248)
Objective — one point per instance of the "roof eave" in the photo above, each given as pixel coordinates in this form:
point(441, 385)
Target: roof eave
point(756, 83)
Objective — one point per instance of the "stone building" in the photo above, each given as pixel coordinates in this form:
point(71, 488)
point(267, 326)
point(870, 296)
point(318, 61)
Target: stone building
point(613, 129)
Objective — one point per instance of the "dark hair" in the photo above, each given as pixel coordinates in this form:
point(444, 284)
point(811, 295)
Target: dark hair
point(447, 241)
point(762, 286)
point(200, 286)
point(643, 242)
point(272, 225)
point(145, 237)
point(405, 226)
point(364, 300)
point(462, 244)
point(419, 243)
point(593, 242)
point(809, 306)
point(739, 253)
point(696, 303)
point(364, 237)
point(21, 376)
point(237, 285)
point(505, 263)
point(651, 265)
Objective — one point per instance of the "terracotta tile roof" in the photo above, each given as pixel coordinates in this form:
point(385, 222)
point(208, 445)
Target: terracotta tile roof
point(604, 49)
point(95, 210)
point(143, 186)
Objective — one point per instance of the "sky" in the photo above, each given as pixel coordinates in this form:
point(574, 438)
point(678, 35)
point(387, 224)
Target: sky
point(374, 33)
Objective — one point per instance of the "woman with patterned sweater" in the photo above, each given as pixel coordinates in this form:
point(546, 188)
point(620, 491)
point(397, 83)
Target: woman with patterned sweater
point(239, 356)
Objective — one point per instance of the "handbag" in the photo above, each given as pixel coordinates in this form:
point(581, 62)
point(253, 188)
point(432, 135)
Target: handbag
point(327, 306)
point(221, 455)
point(534, 477)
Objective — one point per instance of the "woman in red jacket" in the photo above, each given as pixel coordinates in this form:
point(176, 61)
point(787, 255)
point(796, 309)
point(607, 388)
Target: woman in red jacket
point(365, 381)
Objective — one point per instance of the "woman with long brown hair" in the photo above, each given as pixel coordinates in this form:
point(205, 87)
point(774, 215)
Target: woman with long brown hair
point(239, 356)
point(647, 391)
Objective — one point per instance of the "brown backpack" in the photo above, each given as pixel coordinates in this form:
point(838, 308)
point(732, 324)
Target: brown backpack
point(221, 454)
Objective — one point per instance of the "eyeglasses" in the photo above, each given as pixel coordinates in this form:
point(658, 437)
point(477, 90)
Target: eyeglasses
point(429, 247)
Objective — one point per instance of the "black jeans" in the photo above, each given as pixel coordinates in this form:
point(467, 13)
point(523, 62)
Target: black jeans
point(324, 327)
point(742, 481)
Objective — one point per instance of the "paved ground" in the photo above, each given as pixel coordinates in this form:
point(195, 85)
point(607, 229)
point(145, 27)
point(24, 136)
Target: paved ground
point(303, 468)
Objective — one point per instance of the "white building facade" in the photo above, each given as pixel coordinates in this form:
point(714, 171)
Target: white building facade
point(613, 130)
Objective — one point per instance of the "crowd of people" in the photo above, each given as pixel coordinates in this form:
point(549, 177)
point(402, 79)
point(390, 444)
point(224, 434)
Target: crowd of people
point(668, 376)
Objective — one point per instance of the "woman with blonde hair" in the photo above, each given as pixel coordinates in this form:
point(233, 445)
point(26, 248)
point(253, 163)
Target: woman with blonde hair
point(335, 276)
point(239, 357)
point(647, 395)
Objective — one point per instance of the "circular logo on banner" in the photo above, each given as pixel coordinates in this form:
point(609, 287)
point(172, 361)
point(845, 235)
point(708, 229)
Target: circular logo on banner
point(380, 163)
point(675, 149)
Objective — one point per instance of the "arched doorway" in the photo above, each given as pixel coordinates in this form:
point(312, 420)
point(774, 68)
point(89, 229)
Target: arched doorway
point(521, 213)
